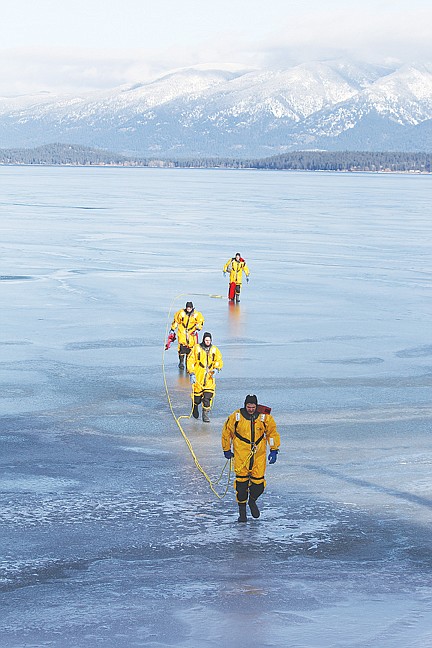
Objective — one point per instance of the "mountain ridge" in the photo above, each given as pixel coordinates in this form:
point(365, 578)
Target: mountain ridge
point(201, 112)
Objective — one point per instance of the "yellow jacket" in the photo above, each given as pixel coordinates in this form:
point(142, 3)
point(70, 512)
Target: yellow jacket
point(236, 269)
point(203, 364)
point(188, 324)
point(249, 436)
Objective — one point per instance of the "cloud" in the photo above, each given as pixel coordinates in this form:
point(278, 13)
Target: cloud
point(376, 36)
point(386, 34)
point(70, 69)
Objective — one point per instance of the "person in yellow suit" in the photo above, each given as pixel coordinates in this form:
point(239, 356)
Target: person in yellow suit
point(245, 436)
point(202, 363)
point(189, 322)
point(236, 266)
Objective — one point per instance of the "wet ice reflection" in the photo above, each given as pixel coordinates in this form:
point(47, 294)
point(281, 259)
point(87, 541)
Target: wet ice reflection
point(105, 519)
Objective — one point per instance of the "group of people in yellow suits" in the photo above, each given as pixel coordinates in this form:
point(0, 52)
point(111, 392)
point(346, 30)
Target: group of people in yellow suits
point(202, 359)
point(250, 429)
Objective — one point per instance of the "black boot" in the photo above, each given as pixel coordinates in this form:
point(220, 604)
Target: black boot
point(181, 362)
point(205, 416)
point(253, 508)
point(242, 513)
point(195, 412)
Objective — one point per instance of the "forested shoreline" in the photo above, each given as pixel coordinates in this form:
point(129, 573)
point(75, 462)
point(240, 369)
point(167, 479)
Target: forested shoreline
point(344, 161)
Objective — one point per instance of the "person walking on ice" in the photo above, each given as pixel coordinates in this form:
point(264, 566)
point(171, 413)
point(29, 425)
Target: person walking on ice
point(202, 363)
point(189, 322)
point(236, 267)
point(245, 436)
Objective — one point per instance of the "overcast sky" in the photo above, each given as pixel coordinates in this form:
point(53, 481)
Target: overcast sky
point(59, 46)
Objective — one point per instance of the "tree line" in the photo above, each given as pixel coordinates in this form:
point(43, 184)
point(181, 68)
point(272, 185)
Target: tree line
point(63, 154)
point(349, 161)
point(323, 161)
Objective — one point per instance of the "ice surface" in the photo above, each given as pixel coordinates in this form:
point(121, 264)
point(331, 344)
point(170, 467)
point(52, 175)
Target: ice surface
point(110, 536)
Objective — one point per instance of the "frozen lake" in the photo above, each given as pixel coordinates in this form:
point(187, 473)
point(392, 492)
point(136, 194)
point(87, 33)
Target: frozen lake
point(109, 535)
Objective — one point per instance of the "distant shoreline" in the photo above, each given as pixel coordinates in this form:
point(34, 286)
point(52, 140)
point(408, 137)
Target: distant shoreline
point(70, 155)
point(208, 168)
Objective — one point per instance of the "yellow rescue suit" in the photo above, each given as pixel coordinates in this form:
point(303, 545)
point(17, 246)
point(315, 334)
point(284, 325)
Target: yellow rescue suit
point(236, 269)
point(249, 434)
point(188, 324)
point(203, 363)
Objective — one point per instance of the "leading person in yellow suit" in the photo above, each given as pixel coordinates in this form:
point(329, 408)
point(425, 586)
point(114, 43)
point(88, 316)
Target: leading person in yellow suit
point(202, 363)
point(245, 436)
point(236, 266)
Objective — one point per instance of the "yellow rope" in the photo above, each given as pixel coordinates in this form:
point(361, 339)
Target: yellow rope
point(177, 418)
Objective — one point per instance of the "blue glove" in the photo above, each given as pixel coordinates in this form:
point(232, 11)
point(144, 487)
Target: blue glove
point(228, 454)
point(273, 456)
point(192, 379)
point(224, 273)
point(247, 279)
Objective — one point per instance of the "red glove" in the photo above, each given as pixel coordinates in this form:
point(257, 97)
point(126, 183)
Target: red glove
point(171, 338)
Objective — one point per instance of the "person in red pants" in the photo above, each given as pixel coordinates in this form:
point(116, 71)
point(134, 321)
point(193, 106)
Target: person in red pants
point(236, 267)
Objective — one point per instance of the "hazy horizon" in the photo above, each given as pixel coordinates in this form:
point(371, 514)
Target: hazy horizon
point(100, 45)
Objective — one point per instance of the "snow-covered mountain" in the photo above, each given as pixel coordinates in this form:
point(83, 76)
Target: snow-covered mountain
point(204, 112)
